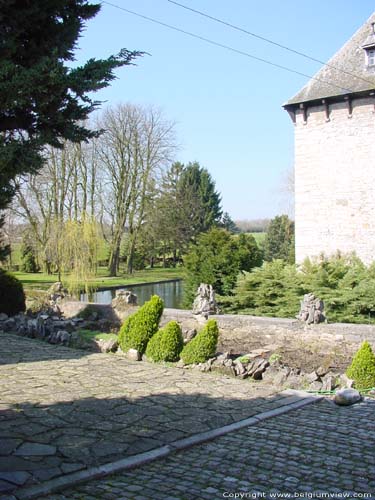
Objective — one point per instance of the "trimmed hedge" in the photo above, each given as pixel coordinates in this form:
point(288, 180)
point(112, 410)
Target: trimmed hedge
point(362, 369)
point(166, 344)
point(138, 328)
point(203, 346)
point(12, 297)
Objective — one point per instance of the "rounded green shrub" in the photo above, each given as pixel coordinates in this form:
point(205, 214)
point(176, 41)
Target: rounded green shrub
point(203, 346)
point(362, 369)
point(138, 328)
point(166, 344)
point(12, 297)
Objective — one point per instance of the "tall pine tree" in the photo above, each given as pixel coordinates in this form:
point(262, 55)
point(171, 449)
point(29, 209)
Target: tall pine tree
point(42, 100)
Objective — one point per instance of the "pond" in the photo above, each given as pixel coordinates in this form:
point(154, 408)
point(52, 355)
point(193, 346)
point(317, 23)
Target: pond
point(170, 291)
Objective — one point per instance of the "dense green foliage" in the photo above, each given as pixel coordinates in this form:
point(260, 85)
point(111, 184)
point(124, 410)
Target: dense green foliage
point(12, 297)
point(184, 204)
point(344, 283)
point(203, 346)
point(275, 289)
point(228, 223)
point(43, 100)
point(197, 184)
point(138, 328)
point(166, 344)
point(28, 258)
point(362, 369)
point(217, 258)
point(279, 240)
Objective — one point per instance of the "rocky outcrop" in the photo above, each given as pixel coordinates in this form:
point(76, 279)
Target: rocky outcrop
point(123, 300)
point(205, 302)
point(312, 310)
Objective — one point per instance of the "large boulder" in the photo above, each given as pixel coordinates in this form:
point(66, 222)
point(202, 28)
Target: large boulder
point(123, 300)
point(205, 302)
point(346, 397)
point(312, 310)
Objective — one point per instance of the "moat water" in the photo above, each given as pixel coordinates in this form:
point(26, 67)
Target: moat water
point(171, 292)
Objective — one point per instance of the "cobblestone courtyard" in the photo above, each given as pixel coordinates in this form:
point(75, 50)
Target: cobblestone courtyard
point(64, 410)
point(315, 450)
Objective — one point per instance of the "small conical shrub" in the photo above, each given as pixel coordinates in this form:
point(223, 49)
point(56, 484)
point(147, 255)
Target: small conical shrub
point(138, 328)
point(362, 369)
point(203, 346)
point(166, 344)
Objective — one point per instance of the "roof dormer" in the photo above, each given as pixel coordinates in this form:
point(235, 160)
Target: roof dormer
point(369, 48)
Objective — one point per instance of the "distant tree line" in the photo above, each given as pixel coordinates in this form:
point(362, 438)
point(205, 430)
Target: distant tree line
point(121, 186)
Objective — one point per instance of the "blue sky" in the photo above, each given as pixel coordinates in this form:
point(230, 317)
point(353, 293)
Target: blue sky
point(227, 107)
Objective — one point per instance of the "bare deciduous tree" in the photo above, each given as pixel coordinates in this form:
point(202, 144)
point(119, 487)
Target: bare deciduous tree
point(137, 144)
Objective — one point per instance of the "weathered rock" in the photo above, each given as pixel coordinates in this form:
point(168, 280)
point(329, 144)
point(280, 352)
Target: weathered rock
point(346, 397)
point(134, 355)
point(3, 316)
point(312, 310)
point(9, 325)
point(239, 368)
point(123, 300)
point(329, 382)
point(189, 335)
point(220, 358)
point(258, 373)
point(258, 365)
point(321, 371)
point(107, 345)
point(63, 337)
point(56, 293)
point(316, 386)
point(345, 381)
point(205, 302)
point(312, 377)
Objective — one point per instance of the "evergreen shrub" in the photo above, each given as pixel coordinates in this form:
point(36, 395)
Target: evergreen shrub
point(362, 369)
point(166, 344)
point(202, 346)
point(12, 297)
point(343, 282)
point(138, 328)
point(28, 258)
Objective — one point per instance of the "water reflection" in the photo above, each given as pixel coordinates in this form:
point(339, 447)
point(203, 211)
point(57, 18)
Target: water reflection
point(171, 293)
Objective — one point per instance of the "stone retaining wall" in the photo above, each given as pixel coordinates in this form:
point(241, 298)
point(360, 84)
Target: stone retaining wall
point(237, 331)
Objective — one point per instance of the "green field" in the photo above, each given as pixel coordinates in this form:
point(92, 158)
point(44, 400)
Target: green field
point(259, 237)
point(43, 281)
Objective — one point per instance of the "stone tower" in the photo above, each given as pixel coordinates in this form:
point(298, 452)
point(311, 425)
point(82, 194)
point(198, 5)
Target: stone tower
point(334, 117)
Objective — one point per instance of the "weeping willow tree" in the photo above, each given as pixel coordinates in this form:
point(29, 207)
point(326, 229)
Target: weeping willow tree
point(73, 249)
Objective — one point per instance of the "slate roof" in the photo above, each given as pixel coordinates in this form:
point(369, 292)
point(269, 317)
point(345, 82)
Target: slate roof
point(350, 58)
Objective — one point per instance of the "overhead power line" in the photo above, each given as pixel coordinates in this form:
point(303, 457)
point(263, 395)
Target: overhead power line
point(268, 40)
point(227, 47)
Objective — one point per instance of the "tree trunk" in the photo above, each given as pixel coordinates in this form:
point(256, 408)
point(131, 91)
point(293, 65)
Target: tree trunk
point(114, 260)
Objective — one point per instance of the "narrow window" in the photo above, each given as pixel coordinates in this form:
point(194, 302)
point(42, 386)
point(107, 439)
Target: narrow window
point(371, 57)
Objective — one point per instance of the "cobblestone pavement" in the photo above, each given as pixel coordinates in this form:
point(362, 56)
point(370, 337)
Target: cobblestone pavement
point(63, 410)
point(318, 450)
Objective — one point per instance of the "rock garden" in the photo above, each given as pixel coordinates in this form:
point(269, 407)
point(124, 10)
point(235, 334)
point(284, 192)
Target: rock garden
point(137, 332)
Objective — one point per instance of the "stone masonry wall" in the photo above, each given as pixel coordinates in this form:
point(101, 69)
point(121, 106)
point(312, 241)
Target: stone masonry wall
point(335, 180)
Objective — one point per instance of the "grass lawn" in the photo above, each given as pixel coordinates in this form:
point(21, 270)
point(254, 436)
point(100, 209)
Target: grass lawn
point(88, 335)
point(259, 237)
point(43, 281)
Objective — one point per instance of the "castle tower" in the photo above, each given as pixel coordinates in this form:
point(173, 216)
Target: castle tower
point(334, 117)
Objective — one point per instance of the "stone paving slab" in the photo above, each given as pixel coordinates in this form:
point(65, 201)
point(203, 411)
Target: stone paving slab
point(63, 410)
point(319, 451)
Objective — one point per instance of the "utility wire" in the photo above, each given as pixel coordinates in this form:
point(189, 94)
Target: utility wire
point(268, 40)
point(227, 47)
